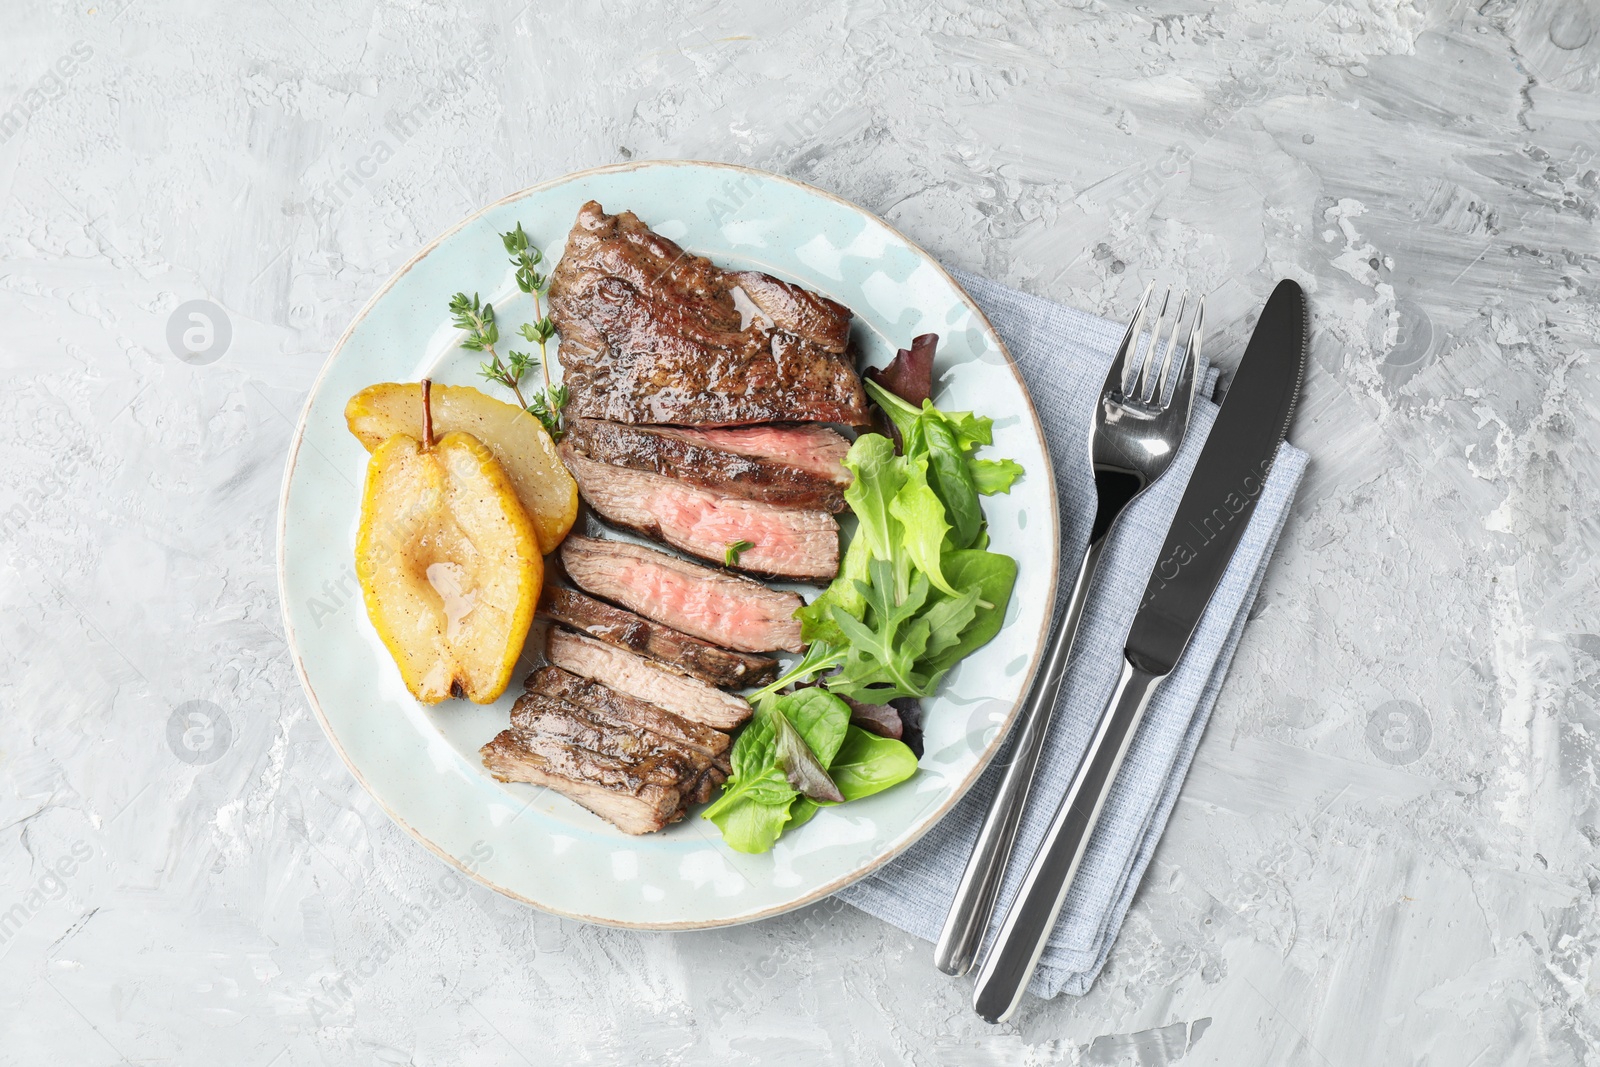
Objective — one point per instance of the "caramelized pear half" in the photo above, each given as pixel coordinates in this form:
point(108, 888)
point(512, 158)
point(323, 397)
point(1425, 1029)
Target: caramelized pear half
point(449, 565)
point(517, 439)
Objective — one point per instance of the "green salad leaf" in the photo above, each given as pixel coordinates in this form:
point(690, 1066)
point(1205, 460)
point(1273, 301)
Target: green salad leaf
point(991, 476)
point(809, 730)
point(865, 765)
point(868, 764)
point(922, 521)
point(917, 591)
point(993, 575)
point(951, 473)
point(821, 719)
point(755, 799)
point(878, 475)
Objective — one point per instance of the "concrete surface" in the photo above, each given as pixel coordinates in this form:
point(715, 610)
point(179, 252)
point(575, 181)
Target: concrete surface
point(1386, 853)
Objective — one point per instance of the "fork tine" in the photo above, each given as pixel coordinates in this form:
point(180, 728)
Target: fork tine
point(1191, 348)
point(1140, 386)
point(1155, 386)
point(1119, 365)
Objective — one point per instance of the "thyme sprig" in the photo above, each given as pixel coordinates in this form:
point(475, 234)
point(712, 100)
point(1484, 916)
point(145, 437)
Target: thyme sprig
point(476, 318)
point(527, 257)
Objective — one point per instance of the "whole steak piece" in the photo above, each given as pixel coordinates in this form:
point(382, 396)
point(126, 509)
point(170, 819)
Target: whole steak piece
point(653, 334)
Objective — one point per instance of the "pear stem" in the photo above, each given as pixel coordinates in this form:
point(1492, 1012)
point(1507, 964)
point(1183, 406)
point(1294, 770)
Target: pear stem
point(427, 415)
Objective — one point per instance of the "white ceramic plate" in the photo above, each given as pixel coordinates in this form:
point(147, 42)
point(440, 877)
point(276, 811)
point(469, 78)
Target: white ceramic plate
point(421, 764)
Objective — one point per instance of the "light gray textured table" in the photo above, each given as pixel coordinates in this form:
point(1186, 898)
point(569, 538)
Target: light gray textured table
point(1386, 853)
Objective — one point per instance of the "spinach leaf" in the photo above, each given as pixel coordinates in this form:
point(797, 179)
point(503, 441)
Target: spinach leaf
point(820, 717)
point(868, 764)
point(951, 476)
point(755, 800)
point(810, 728)
point(801, 810)
point(751, 826)
point(993, 575)
point(801, 768)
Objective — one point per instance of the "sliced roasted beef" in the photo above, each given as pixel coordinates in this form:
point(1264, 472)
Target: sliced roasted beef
point(692, 656)
point(816, 450)
point(655, 757)
point(653, 334)
point(776, 542)
point(645, 679)
point(626, 796)
point(706, 788)
point(710, 604)
point(782, 480)
point(603, 701)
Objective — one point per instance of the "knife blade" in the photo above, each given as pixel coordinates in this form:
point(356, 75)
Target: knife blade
point(1226, 483)
point(1216, 506)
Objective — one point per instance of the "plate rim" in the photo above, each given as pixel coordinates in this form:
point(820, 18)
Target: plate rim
point(957, 792)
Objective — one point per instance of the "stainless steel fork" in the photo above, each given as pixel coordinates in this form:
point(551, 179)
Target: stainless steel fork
point(1138, 424)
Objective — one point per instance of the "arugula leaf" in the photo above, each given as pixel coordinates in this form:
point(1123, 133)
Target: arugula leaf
point(948, 618)
point(880, 654)
point(882, 645)
point(820, 656)
point(993, 476)
point(921, 515)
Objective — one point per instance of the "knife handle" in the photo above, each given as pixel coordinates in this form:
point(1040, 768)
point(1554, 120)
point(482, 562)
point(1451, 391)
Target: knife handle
point(968, 919)
point(1015, 954)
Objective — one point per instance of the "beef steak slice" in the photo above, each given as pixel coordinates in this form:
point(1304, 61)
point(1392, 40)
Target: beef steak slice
point(651, 333)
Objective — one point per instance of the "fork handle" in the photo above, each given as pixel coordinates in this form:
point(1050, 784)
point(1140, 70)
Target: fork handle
point(980, 883)
point(1015, 954)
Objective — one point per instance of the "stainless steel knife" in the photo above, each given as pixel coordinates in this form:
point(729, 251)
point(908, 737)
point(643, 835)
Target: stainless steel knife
point(1217, 504)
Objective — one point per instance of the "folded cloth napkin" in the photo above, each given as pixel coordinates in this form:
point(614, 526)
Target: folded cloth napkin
point(1064, 355)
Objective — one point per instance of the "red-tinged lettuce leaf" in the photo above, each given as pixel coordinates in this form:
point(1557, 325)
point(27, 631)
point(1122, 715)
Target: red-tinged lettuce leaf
point(910, 709)
point(909, 375)
point(880, 719)
point(800, 766)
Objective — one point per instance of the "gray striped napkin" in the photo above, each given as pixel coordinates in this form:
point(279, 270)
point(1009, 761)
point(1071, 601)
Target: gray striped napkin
point(1063, 355)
